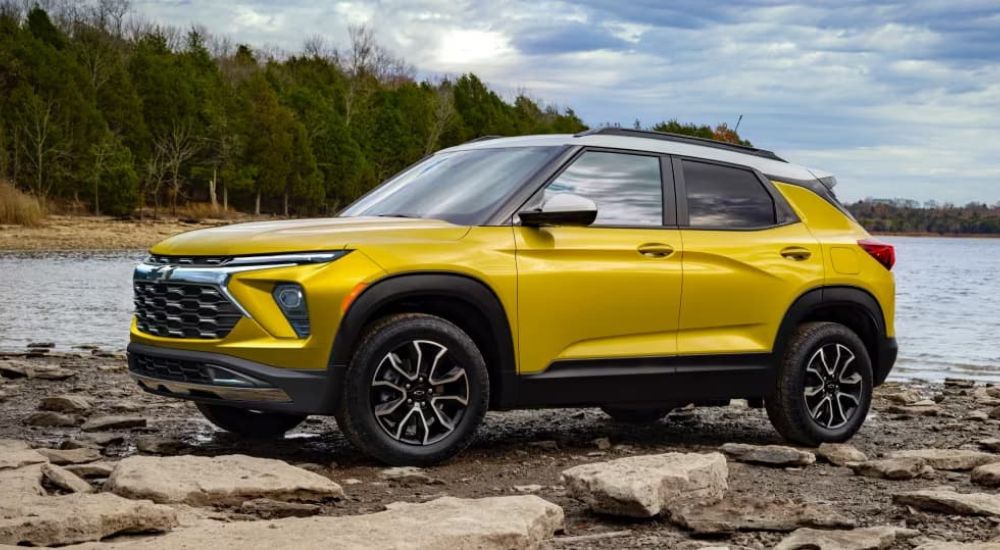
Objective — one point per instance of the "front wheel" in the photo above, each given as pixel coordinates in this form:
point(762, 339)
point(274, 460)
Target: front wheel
point(415, 391)
point(248, 423)
point(824, 385)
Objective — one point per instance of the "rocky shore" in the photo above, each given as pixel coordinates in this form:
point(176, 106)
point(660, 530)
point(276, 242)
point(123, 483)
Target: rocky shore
point(88, 460)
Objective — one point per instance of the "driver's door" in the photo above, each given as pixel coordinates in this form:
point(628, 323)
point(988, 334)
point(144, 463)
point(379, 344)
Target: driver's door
point(610, 290)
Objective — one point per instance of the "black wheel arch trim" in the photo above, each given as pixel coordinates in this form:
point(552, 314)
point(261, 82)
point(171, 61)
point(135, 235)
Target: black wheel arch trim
point(471, 291)
point(859, 299)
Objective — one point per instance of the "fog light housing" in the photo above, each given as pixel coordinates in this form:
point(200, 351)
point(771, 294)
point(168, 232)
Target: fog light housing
point(291, 299)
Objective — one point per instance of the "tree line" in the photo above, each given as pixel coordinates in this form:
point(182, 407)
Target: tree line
point(102, 109)
point(891, 217)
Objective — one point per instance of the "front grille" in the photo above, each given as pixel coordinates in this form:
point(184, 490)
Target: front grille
point(196, 261)
point(184, 310)
point(168, 369)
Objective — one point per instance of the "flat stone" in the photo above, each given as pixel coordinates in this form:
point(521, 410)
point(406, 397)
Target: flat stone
point(48, 345)
point(495, 523)
point(272, 509)
point(755, 514)
point(902, 396)
point(62, 457)
point(959, 383)
point(113, 422)
point(14, 369)
point(769, 455)
point(15, 453)
point(995, 413)
point(92, 469)
point(987, 475)
point(75, 404)
point(839, 454)
point(65, 480)
point(978, 416)
point(51, 373)
point(101, 439)
point(50, 419)
point(950, 502)
point(646, 486)
point(74, 518)
point(949, 459)
point(227, 479)
point(407, 475)
point(929, 409)
point(868, 538)
point(990, 443)
point(893, 468)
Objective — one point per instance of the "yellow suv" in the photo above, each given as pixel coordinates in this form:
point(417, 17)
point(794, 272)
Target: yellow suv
point(629, 270)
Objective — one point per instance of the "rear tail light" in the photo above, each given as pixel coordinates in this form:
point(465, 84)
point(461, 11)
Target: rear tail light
point(883, 253)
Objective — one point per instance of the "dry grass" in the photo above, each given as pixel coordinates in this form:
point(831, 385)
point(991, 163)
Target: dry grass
point(19, 208)
point(197, 211)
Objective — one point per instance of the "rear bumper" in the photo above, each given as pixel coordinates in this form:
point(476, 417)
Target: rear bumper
point(236, 382)
point(887, 351)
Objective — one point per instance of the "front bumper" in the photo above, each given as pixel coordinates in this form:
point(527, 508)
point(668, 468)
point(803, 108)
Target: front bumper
point(183, 374)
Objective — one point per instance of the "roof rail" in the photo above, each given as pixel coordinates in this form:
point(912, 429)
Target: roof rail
point(680, 138)
point(483, 138)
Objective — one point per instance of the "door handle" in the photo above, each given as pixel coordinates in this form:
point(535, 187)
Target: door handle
point(796, 253)
point(656, 250)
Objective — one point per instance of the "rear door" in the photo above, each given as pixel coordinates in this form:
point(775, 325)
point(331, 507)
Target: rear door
point(746, 258)
point(609, 291)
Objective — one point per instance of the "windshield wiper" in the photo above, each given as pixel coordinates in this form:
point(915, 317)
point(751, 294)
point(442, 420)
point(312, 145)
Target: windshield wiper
point(395, 216)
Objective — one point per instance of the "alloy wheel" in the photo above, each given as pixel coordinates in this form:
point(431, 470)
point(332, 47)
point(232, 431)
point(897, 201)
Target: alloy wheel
point(419, 393)
point(834, 386)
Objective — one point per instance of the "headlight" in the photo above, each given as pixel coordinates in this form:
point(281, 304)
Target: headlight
point(292, 301)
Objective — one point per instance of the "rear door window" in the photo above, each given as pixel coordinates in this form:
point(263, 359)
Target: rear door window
point(724, 197)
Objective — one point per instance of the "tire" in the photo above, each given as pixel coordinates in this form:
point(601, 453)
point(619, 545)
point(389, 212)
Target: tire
point(628, 415)
point(248, 423)
point(392, 409)
point(813, 402)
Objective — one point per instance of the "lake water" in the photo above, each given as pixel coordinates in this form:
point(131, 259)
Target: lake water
point(947, 311)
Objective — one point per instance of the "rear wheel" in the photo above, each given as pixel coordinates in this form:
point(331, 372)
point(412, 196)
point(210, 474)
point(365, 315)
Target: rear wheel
point(631, 415)
point(249, 423)
point(415, 391)
point(824, 385)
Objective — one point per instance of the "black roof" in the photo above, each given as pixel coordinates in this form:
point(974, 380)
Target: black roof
point(680, 138)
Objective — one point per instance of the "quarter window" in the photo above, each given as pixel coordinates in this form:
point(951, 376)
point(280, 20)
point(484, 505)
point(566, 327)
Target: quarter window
point(726, 198)
point(627, 188)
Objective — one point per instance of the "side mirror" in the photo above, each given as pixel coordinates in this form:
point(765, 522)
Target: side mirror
point(561, 209)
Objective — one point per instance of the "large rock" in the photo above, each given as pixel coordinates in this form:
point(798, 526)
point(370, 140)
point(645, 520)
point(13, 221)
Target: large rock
point(228, 479)
point(990, 444)
point(901, 396)
point(949, 459)
point(840, 454)
point(868, 538)
point(950, 502)
point(645, 486)
point(15, 453)
point(49, 521)
point(769, 455)
point(987, 475)
point(893, 468)
point(755, 514)
point(495, 523)
point(19, 483)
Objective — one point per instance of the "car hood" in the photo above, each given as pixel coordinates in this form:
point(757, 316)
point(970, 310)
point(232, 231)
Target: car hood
point(308, 235)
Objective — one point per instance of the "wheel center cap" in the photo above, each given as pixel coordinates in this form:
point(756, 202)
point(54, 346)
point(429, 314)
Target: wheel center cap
point(831, 387)
point(418, 394)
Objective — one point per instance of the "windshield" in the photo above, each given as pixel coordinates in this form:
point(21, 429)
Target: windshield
point(461, 187)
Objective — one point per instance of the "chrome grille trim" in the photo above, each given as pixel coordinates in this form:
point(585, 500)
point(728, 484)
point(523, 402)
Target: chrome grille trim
point(184, 310)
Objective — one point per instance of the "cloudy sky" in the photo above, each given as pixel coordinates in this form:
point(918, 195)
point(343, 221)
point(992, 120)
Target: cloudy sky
point(897, 98)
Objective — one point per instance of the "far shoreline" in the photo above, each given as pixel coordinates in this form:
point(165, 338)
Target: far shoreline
point(68, 233)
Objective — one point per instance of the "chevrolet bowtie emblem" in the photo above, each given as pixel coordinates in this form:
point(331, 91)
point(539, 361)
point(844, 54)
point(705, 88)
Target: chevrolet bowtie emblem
point(162, 273)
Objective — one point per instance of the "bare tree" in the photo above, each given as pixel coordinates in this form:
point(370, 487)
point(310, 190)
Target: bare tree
point(40, 144)
point(177, 147)
point(366, 59)
point(444, 112)
point(156, 171)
